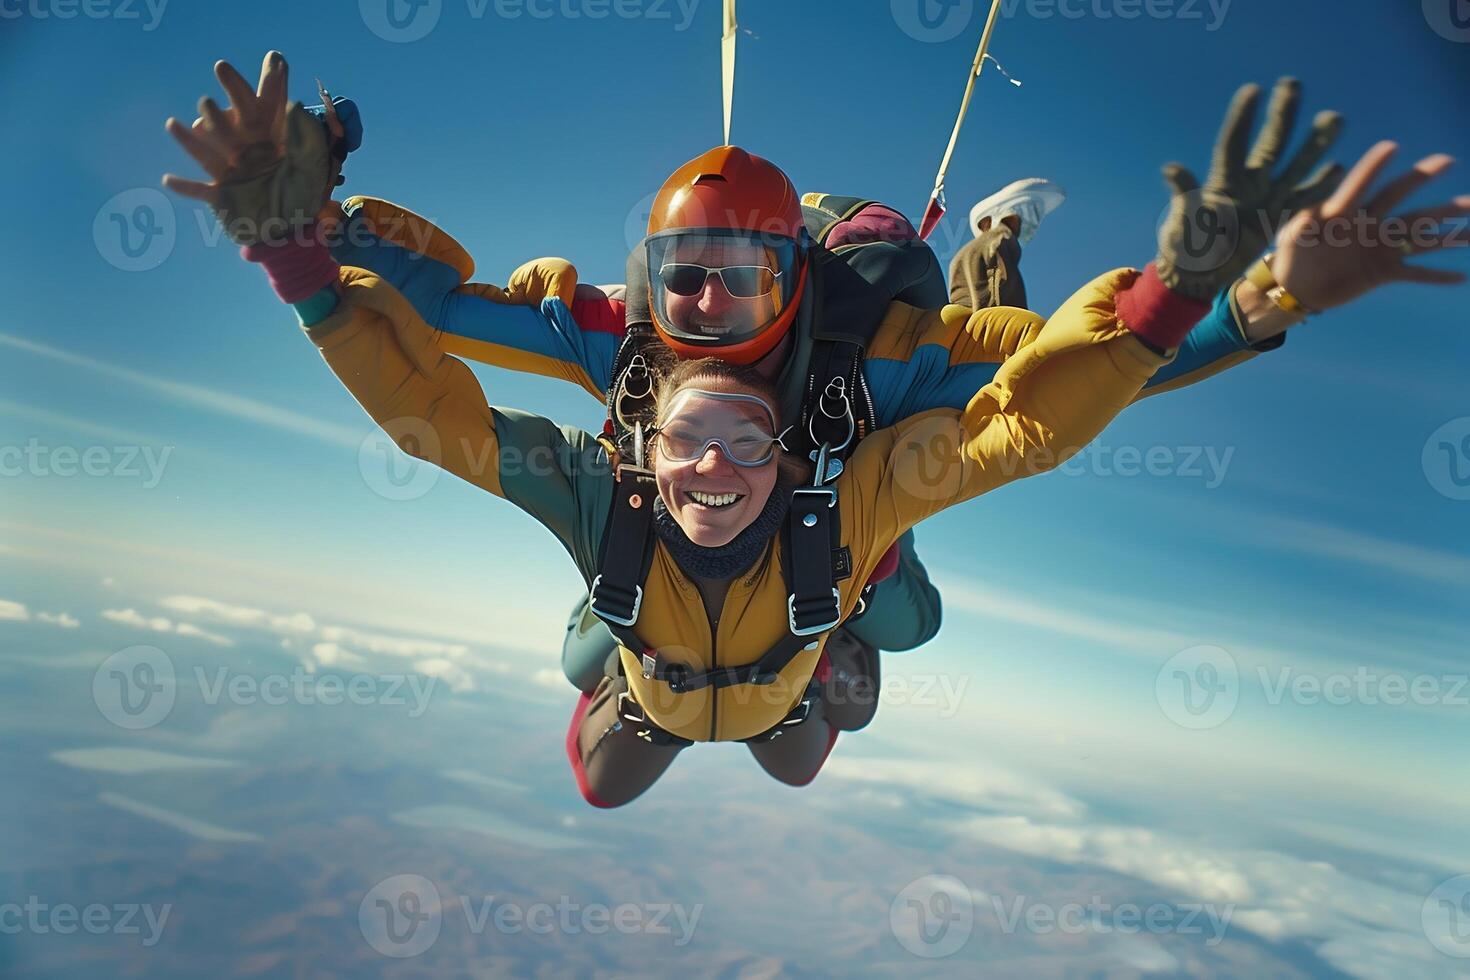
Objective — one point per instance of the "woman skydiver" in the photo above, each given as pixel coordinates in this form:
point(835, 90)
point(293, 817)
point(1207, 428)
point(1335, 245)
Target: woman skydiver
point(715, 596)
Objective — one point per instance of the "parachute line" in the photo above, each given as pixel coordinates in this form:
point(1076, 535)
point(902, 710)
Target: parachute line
point(727, 62)
point(934, 210)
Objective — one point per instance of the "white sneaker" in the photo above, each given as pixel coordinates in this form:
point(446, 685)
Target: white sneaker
point(1030, 199)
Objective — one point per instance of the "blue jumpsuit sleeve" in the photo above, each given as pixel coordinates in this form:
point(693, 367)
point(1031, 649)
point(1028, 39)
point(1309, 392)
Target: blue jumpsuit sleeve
point(925, 379)
point(545, 339)
point(1215, 340)
point(425, 282)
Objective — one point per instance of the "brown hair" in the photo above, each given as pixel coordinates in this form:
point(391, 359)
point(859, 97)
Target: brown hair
point(673, 376)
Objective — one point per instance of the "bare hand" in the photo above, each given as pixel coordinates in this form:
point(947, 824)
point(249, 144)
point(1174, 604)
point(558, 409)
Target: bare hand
point(1332, 253)
point(251, 131)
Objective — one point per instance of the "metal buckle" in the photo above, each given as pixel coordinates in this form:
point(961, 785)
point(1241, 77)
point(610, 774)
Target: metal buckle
point(810, 630)
point(677, 677)
point(630, 619)
point(798, 714)
point(624, 698)
point(829, 492)
point(827, 468)
point(839, 395)
point(637, 370)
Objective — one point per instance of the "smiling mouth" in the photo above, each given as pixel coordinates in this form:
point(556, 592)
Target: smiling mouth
point(713, 501)
point(712, 329)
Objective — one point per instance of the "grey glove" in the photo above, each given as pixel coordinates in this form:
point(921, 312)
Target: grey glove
point(1212, 234)
point(268, 195)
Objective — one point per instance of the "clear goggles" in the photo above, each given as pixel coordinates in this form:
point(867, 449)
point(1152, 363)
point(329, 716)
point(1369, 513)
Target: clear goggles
point(743, 426)
point(720, 287)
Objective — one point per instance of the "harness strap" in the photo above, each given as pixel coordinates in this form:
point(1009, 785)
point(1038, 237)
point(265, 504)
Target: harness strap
point(630, 710)
point(813, 605)
point(836, 411)
point(616, 594)
point(682, 680)
point(813, 536)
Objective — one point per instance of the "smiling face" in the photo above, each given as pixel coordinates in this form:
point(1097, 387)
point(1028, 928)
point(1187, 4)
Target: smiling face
point(713, 311)
point(710, 497)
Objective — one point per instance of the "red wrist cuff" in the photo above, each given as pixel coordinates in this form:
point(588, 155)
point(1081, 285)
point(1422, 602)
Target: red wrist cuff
point(298, 269)
point(1156, 313)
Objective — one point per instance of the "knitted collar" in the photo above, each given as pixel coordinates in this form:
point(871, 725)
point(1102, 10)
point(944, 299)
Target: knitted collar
point(730, 559)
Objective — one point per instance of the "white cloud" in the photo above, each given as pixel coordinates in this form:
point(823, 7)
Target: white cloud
point(1365, 929)
point(131, 617)
point(345, 646)
point(551, 679)
point(1130, 850)
point(189, 629)
point(132, 760)
point(973, 784)
point(212, 399)
point(451, 673)
point(179, 821)
point(64, 620)
point(395, 646)
point(79, 424)
point(516, 634)
point(162, 624)
point(298, 624)
point(330, 654)
point(1394, 558)
point(985, 599)
point(13, 610)
point(336, 644)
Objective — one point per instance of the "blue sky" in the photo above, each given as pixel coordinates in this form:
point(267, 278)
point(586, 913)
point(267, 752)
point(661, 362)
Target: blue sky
point(1307, 524)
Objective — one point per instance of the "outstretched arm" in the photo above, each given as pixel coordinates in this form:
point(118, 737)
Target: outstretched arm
point(1327, 254)
point(1062, 381)
point(256, 153)
point(273, 166)
point(1079, 369)
point(542, 322)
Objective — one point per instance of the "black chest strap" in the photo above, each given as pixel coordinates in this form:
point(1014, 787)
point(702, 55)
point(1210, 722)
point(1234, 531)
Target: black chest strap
point(812, 565)
point(616, 593)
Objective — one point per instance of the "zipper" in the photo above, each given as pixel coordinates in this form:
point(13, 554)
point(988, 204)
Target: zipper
point(806, 403)
point(714, 653)
point(867, 397)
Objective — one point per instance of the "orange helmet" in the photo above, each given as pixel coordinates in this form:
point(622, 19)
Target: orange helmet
point(727, 257)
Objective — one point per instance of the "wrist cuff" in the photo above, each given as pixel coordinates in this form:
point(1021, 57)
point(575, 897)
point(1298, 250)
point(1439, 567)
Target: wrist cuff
point(1155, 313)
point(318, 307)
point(297, 269)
